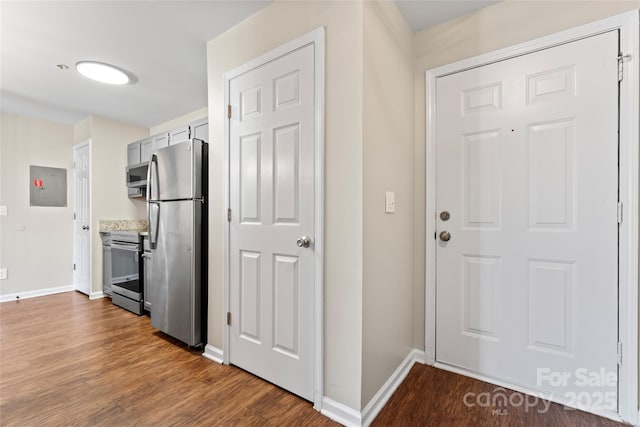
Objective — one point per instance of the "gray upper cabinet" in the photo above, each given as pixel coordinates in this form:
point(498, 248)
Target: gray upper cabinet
point(133, 153)
point(146, 148)
point(152, 144)
point(160, 140)
point(200, 129)
point(140, 151)
point(179, 135)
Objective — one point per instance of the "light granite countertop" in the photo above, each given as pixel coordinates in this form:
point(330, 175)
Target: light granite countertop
point(123, 225)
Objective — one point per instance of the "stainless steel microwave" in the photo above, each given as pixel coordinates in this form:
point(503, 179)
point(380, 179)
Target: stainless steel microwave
point(137, 175)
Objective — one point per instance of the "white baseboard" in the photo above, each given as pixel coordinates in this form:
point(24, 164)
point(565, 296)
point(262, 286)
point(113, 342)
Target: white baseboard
point(97, 295)
point(36, 293)
point(213, 353)
point(340, 413)
point(352, 418)
point(383, 395)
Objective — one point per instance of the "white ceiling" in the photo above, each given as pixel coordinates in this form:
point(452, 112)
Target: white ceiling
point(423, 14)
point(162, 43)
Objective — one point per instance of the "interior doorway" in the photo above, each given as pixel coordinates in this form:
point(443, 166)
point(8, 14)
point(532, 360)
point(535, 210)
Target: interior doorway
point(82, 217)
point(504, 182)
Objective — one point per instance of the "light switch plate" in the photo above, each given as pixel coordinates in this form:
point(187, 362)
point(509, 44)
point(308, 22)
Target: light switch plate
point(3, 273)
point(389, 202)
point(3, 210)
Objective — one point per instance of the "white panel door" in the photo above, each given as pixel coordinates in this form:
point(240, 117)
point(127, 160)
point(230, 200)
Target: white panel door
point(527, 167)
point(82, 218)
point(272, 200)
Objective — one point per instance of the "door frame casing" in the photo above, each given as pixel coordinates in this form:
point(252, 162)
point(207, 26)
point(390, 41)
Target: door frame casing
point(316, 38)
point(628, 26)
point(75, 148)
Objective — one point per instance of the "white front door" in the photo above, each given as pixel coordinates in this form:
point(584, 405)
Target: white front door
point(271, 277)
point(527, 169)
point(82, 218)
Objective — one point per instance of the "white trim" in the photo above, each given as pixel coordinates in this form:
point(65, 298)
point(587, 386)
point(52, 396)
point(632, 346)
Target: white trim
point(226, 338)
point(340, 413)
point(213, 353)
point(318, 245)
point(96, 295)
point(559, 399)
point(628, 231)
point(627, 24)
point(430, 222)
point(317, 38)
point(36, 293)
point(385, 392)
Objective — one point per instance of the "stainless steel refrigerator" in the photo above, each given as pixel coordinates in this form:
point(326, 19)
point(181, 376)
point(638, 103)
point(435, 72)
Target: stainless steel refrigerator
point(177, 210)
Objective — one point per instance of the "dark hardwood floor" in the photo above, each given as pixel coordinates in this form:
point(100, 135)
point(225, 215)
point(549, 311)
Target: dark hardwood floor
point(433, 397)
point(65, 360)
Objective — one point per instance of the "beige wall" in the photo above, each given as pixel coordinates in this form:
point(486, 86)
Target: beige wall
point(179, 121)
point(388, 166)
point(36, 243)
point(272, 26)
point(109, 199)
point(501, 25)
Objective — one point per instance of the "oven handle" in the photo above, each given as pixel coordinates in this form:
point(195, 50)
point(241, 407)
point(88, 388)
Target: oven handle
point(131, 248)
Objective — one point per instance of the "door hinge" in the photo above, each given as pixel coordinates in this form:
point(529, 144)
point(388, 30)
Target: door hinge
point(74, 215)
point(619, 353)
point(229, 214)
point(621, 60)
point(229, 111)
point(229, 318)
point(74, 266)
point(619, 212)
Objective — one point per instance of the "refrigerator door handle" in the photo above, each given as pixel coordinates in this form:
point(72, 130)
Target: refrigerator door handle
point(153, 161)
point(153, 208)
point(153, 212)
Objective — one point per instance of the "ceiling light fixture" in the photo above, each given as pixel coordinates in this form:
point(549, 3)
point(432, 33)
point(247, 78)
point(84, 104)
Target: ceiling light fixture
point(102, 72)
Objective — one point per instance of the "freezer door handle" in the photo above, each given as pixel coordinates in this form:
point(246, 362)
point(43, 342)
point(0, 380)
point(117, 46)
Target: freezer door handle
point(153, 209)
point(150, 169)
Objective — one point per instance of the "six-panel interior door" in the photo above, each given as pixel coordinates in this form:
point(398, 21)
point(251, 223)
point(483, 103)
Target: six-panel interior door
point(527, 167)
point(272, 201)
point(81, 231)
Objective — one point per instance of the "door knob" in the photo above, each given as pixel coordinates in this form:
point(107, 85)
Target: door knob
point(444, 215)
point(445, 236)
point(85, 227)
point(303, 242)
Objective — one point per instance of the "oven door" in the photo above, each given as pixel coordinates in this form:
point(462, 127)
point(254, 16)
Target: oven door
point(125, 270)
